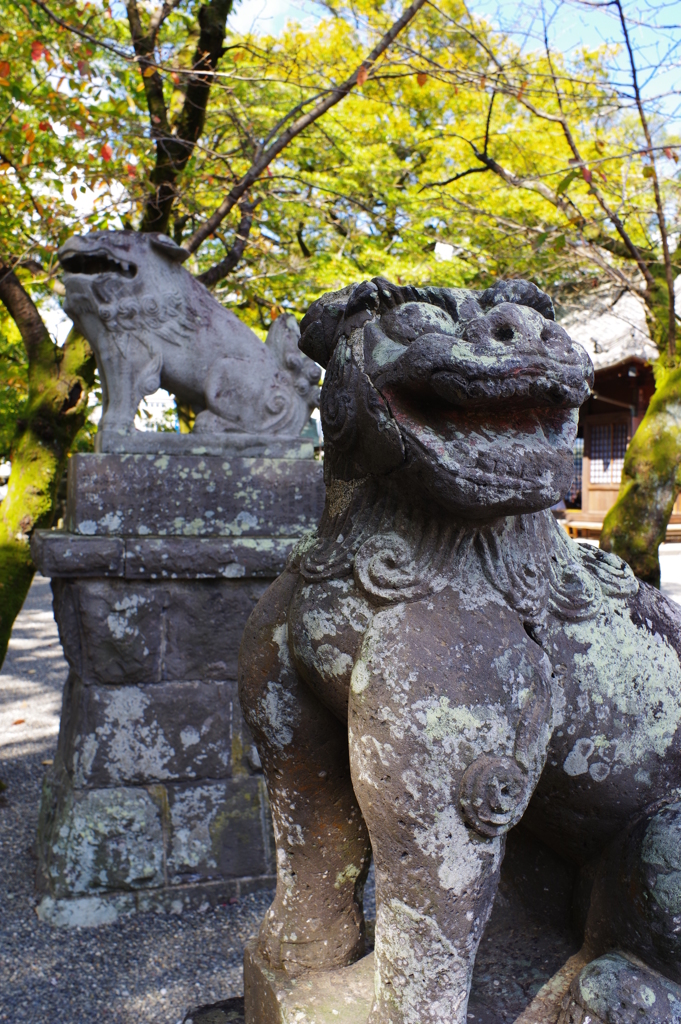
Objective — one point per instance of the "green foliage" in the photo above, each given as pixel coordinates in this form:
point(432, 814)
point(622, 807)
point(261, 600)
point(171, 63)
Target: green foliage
point(361, 192)
point(52, 415)
point(357, 193)
point(57, 117)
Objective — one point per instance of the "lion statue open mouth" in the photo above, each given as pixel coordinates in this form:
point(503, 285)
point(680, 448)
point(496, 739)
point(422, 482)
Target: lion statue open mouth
point(439, 662)
point(473, 396)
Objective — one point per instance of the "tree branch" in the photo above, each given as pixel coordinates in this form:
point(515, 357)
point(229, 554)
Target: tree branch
point(229, 263)
point(448, 181)
point(156, 20)
point(300, 124)
point(23, 311)
point(489, 120)
point(633, 250)
point(79, 32)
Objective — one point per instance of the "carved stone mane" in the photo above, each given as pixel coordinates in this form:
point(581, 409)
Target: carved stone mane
point(396, 552)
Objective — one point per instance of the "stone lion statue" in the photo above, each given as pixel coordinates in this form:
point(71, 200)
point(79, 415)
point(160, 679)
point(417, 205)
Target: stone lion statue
point(440, 661)
point(151, 324)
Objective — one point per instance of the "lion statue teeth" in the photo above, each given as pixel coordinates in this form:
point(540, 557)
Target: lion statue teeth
point(151, 324)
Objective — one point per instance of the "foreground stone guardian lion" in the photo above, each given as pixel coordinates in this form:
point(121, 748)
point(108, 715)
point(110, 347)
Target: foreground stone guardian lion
point(439, 661)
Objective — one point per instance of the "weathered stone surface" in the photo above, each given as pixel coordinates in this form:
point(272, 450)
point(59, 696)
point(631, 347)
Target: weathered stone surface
point(57, 553)
point(137, 735)
point(439, 663)
point(165, 834)
point(546, 1007)
point(157, 442)
point(151, 627)
point(102, 839)
point(67, 555)
point(325, 997)
point(107, 907)
point(197, 557)
point(219, 830)
point(151, 325)
point(617, 990)
point(110, 630)
point(117, 631)
point(204, 627)
point(192, 496)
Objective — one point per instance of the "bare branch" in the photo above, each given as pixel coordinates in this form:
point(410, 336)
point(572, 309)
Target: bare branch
point(489, 119)
point(457, 177)
point(538, 186)
point(229, 263)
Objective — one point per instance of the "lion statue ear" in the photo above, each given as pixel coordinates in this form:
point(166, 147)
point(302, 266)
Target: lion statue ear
point(523, 293)
point(168, 248)
point(319, 326)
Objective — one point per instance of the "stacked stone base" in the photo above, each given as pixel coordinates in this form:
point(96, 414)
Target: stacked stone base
point(156, 798)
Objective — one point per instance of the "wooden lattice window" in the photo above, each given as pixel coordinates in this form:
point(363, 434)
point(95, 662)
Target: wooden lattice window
point(608, 446)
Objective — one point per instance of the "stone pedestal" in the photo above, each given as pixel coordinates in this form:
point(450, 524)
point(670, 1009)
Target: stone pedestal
point(156, 798)
point(323, 997)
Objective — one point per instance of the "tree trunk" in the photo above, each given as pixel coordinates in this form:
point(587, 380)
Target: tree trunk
point(174, 147)
point(58, 383)
point(636, 525)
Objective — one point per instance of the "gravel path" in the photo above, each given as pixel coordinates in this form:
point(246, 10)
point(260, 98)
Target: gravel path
point(148, 969)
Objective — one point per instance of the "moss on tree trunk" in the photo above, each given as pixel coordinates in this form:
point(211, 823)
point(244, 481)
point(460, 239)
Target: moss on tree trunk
point(636, 525)
point(58, 383)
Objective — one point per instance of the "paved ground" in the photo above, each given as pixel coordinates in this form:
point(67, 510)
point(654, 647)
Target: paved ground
point(670, 563)
point(144, 970)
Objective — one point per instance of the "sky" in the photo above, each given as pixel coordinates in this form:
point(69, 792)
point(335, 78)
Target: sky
point(654, 26)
